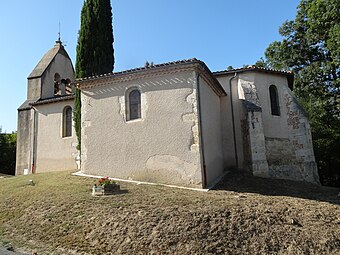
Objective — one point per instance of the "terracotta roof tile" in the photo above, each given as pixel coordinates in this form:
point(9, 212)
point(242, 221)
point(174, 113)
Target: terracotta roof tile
point(253, 68)
point(288, 74)
point(53, 99)
point(192, 60)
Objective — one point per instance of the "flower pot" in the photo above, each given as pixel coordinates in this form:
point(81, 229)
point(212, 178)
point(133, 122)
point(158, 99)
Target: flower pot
point(107, 189)
point(111, 188)
point(97, 190)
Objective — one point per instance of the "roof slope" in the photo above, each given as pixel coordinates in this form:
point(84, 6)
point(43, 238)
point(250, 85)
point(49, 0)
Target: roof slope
point(153, 70)
point(139, 69)
point(288, 74)
point(46, 60)
point(253, 68)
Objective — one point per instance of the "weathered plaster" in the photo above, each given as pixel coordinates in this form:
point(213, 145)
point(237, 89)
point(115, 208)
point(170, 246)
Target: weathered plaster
point(192, 118)
point(274, 146)
point(301, 138)
point(165, 167)
point(257, 144)
point(254, 142)
point(163, 138)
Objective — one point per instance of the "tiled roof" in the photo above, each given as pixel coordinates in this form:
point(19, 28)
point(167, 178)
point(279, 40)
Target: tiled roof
point(288, 74)
point(53, 100)
point(29, 103)
point(158, 67)
point(253, 68)
point(134, 70)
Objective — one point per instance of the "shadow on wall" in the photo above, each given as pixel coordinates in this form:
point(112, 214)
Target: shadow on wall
point(245, 182)
point(159, 83)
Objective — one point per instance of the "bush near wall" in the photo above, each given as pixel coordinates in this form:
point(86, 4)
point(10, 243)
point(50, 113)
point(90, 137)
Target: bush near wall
point(7, 153)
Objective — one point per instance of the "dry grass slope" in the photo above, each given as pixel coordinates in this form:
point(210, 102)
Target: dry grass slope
point(245, 215)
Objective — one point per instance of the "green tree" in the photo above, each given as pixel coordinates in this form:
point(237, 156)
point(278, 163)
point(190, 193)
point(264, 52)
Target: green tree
point(94, 48)
point(7, 152)
point(311, 48)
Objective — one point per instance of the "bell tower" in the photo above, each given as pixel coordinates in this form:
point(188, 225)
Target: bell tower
point(50, 81)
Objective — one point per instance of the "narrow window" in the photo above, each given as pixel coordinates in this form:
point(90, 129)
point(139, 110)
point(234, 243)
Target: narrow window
point(274, 100)
point(67, 121)
point(68, 88)
point(56, 84)
point(134, 105)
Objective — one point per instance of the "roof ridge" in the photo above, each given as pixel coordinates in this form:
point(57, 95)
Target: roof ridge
point(253, 68)
point(46, 60)
point(190, 60)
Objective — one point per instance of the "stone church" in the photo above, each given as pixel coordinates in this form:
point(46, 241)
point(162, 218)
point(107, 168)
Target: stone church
point(174, 123)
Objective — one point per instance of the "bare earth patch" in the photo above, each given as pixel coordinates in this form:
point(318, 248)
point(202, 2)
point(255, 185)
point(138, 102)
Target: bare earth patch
point(244, 215)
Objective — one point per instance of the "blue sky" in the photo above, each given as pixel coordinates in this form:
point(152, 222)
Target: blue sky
point(219, 32)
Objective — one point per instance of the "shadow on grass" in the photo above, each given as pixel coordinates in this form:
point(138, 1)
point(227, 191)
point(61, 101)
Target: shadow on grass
point(115, 193)
point(120, 192)
point(245, 182)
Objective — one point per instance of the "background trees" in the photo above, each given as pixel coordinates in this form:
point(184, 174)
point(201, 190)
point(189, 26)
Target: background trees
point(311, 48)
point(94, 48)
point(7, 152)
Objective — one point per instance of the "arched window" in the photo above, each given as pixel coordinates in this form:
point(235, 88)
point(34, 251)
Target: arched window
point(56, 84)
point(134, 105)
point(274, 100)
point(67, 121)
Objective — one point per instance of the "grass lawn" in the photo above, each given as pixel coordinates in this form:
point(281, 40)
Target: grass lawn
point(58, 215)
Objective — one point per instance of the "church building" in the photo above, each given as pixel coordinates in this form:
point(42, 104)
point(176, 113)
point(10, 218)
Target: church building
point(46, 140)
point(174, 123)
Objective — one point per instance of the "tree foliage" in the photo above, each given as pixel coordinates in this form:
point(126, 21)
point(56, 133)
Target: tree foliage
point(7, 153)
point(311, 48)
point(94, 48)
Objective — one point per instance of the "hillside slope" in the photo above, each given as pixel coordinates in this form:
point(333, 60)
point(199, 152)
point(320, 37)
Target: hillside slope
point(244, 215)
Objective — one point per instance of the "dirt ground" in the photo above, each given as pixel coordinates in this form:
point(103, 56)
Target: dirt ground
point(242, 215)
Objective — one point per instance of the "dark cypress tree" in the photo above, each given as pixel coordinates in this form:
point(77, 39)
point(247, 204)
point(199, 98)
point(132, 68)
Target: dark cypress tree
point(94, 48)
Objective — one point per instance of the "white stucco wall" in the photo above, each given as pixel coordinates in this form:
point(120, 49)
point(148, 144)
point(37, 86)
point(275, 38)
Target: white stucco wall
point(61, 65)
point(275, 146)
point(53, 152)
point(162, 146)
point(227, 126)
point(211, 126)
point(273, 126)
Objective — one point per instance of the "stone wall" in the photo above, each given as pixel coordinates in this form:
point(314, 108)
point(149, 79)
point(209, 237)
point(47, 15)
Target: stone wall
point(253, 133)
point(259, 162)
point(293, 157)
point(301, 138)
point(279, 146)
